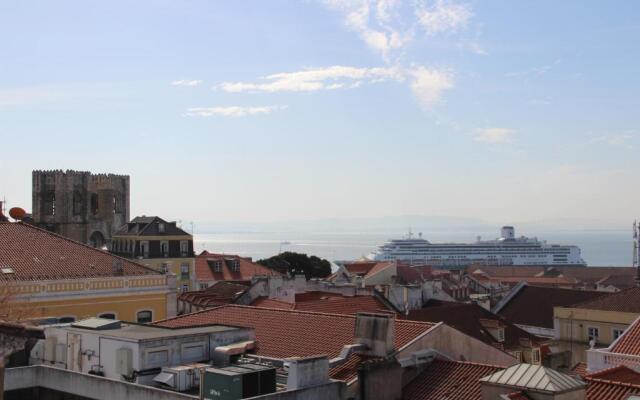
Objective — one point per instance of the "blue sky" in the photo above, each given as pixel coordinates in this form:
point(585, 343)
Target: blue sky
point(281, 110)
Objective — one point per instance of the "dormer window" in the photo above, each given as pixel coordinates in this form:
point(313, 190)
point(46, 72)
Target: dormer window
point(235, 265)
point(217, 266)
point(184, 248)
point(161, 227)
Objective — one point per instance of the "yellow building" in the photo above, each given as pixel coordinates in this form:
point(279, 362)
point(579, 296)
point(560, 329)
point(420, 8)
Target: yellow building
point(599, 321)
point(45, 275)
point(160, 245)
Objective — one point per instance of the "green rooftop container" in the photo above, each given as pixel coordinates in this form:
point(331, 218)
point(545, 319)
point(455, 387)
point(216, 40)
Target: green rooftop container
point(238, 381)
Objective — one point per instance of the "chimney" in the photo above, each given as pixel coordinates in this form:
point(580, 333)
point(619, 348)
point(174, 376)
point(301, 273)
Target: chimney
point(377, 332)
point(307, 371)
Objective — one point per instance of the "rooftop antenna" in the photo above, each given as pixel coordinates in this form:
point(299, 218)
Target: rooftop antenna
point(636, 251)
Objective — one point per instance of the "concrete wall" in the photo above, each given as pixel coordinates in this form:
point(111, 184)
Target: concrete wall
point(381, 380)
point(458, 346)
point(571, 324)
point(384, 277)
point(85, 385)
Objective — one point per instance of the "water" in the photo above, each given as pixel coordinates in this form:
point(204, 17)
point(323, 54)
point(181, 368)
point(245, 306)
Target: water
point(599, 248)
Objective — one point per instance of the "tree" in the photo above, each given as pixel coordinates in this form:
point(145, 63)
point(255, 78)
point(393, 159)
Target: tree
point(295, 263)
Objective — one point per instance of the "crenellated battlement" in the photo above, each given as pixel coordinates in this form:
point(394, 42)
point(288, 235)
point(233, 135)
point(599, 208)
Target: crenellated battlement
point(80, 205)
point(74, 172)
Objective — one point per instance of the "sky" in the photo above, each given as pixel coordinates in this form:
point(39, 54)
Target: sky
point(297, 110)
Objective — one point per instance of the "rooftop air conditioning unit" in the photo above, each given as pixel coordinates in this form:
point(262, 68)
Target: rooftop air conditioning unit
point(180, 378)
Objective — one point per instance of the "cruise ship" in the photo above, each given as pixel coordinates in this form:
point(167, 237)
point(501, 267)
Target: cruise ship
point(506, 250)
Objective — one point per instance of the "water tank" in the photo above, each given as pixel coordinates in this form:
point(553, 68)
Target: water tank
point(507, 232)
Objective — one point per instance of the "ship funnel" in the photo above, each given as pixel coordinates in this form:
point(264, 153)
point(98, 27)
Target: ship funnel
point(507, 232)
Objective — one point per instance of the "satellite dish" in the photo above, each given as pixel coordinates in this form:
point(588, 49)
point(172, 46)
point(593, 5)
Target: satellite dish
point(17, 213)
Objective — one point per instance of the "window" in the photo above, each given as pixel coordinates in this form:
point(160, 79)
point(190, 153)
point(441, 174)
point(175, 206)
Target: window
point(617, 333)
point(164, 268)
point(164, 248)
point(94, 203)
point(77, 203)
point(157, 357)
point(235, 265)
point(518, 355)
point(50, 204)
point(593, 333)
point(107, 315)
point(161, 227)
point(203, 286)
point(185, 287)
point(500, 337)
point(144, 317)
point(144, 249)
point(535, 356)
point(184, 248)
point(217, 266)
point(184, 271)
point(193, 351)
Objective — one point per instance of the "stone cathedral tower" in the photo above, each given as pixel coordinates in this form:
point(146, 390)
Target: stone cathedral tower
point(80, 205)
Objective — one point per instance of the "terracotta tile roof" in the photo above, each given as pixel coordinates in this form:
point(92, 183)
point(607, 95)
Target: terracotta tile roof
point(360, 267)
point(36, 254)
point(367, 268)
point(349, 370)
point(292, 333)
point(629, 342)
point(601, 389)
point(533, 305)
point(380, 266)
point(617, 281)
point(620, 374)
point(580, 369)
point(326, 302)
point(468, 317)
point(266, 302)
point(627, 300)
point(451, 380)
point(537, 280)
point(221, 292)
point(414, 274)
point(205, 271)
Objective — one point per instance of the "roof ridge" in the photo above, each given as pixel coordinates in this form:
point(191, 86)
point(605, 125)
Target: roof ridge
point(345, 316)
point(84, 245)
point(472, 363)
point(612, 382)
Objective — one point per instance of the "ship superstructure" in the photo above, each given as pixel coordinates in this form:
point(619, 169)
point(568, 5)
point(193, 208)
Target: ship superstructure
point(506, 250)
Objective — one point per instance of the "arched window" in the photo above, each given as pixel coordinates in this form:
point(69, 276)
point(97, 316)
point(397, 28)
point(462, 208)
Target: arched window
point(144, 316)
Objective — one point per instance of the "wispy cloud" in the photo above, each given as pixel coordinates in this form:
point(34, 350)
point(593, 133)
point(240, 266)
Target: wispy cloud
point(186, 82)
point(384, 26)
point(534, 71)
point(494, 135)
point(231, 111)
point(428, 85)
point(314, 79)
point(443, 16)
point(625, 139)
point(375, 22)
